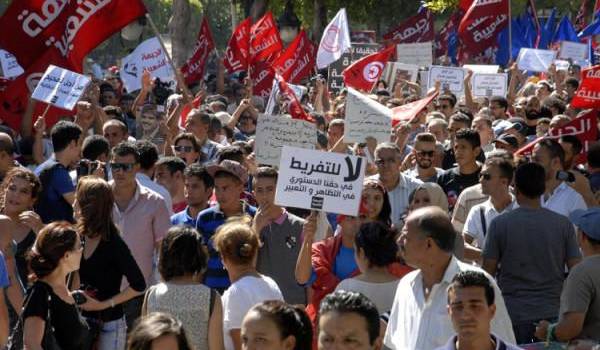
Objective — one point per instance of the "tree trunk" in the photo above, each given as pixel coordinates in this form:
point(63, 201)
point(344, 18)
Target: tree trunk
point(319, 19)
point(179, 31)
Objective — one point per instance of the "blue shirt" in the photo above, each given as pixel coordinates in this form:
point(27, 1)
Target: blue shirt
point(207, 223)
point(3, 273)
point(56, 182)
point(595, 181)
point(345, 263)
point(183, 218)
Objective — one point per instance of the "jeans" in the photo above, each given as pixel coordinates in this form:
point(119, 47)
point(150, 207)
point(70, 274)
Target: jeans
point(113, 335)
point(133, 310)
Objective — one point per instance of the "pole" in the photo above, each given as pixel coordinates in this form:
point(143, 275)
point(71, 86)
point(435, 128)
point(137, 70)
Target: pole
point(45, 111)
point(509, 33)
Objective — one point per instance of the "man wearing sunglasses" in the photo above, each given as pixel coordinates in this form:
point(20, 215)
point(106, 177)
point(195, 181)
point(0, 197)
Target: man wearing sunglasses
point(446, 104)
point(424, 152)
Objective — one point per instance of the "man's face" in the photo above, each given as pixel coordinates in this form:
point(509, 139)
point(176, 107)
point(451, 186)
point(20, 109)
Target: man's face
point(114, 135)
point(387, 161)
point(195, 192)
point(570, 89)
point(344, 331)
point(498, 112)
point(438, 131)
point(453, 127)
point(110, 98)
point(465, 154)
point(446, 108)
point(470, 313)
point(542, 157)
point(124, 176)
point(164, 178)
point(264, 190)
point(196, 127)
point(184, 149)
point(228, 191)
point(425, 152)
point(490, 179)
point(413, 246)
point(149, 122)
point(247, 124)
point(569, 153)
point(334, 133)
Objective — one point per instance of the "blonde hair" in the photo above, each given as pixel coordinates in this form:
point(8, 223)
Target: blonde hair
point(237, 242)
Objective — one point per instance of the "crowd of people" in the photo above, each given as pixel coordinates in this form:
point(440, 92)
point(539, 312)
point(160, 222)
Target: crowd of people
point(129, 226)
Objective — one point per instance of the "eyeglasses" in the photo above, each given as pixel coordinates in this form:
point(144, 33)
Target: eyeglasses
point(485, 176)
point(184, 149)
point(444, 106)
point(122, 166)
point(426, 153)
point(382, 161)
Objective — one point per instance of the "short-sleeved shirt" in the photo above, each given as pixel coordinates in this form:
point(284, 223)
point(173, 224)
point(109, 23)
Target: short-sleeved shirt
point(564, 200)
point(56, 181)
point(398, 196)
point(183, 218)
point(474, 226)
point(581, 293)
point(532, 247)
point(453, 182)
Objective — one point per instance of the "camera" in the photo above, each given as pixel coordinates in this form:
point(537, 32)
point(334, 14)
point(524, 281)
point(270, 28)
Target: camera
point(87, 167)
point(79, 297)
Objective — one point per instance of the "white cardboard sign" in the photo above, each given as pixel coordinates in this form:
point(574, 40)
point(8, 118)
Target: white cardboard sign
point(60, 87)
point(366, 118)
point(572, 50)
point(420, 54)
point(275, 131)
point(9, 64)
point(487, 85)
point(482, 68)
point(317, 180)
point(535, 60)
point(149, 56)
point(452, 78)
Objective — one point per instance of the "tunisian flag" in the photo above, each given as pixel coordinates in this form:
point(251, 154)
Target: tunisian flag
point(407, 112)
point(294, 107)
point(482, 23)
point(193, 69)
point(588, 94)
point(298, 60)
point(74, 28)
point(236, 54)
point(265, 43)
point(364, 73)
point(418, 28)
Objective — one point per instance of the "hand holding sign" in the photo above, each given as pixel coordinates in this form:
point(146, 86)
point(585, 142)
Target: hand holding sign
point(60, 87)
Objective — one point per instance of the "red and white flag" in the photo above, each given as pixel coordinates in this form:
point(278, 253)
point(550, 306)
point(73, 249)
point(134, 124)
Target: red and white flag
point(588, 93)
point(265, 43)
point(294, 107)
point(481, 24)
point(193, 69)
point(418, 28)
point(409, 111)
point(335, 40)
point(364, 73)
point(196, 102)
point(298, 59)
point(236, 54)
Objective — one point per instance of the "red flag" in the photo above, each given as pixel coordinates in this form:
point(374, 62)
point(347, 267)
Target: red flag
point(596, 7)
point(584, 127)
point(364, 73)
point(409, 111)
point(193, 69)
point(579, 22)
point(196, 102)
point(236, 54)
point(73, 28)
point(294, 107)
point(416, 29)
point(298, 60)
point(265, 42)
point(479, 28)
point(588, 94)
point(262, 75)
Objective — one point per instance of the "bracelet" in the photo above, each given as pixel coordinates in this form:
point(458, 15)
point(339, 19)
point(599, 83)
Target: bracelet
point(551, 333)
point(112, 302)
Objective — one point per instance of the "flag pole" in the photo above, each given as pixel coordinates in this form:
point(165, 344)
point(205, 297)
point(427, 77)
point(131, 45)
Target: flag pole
point(509, 33)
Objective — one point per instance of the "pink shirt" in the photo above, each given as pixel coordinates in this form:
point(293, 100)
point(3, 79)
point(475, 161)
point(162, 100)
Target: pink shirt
point(144, 223)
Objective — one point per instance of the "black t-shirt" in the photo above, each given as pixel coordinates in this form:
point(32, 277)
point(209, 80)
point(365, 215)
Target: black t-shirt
point(21, 257)
point(103, 272)
point(70, 329)
point(453, 183)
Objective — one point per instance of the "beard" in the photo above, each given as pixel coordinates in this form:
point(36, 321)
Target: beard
point(425, 164)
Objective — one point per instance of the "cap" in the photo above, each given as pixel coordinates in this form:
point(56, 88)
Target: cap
point(500, 126)
point(508, 139)
point(588, 221)
point(224, 117)
point(519, 125)
point(230, 166)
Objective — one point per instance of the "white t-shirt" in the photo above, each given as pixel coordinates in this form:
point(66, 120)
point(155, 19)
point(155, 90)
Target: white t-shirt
point(474, 227)
point(240, 297)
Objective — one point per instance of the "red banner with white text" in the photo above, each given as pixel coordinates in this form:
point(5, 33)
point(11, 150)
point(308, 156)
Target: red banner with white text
point(588, 93)
point(193, 69)
point(418, 28)
point(265, 43)
point(236, 53)
point(298, 59)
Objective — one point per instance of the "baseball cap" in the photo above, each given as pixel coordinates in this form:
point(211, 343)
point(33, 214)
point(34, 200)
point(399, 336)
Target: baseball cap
point(508, 139)
point(229, 166)
point(588, 221)
point(519, 125)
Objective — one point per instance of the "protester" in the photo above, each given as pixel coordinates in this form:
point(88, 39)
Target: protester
point(186, 147)
point(198, 187)
point(149, 155)
point(424, 152)
point(169, 174)
point(158, 331)
point(376, 202)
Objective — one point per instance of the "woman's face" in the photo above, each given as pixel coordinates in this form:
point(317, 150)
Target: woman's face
point(184, 149)
point(18, 196)
point(373, 199)
point(421, 200)
point(72, 258)
point(148, 122)
point(261, 333)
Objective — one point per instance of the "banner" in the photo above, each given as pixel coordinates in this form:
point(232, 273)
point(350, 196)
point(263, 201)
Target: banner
point(335, 40)
point(262, 75)
point(416, 29)
point(535, 60)
point(420, 54)
point(193, 69)
point(588, 93)
point(335, 79)
point(573, 51)
point(236, 53)
point(323, 181)
point(60, 87)
point(9, 64)
point(452, 78)
point(275, 131)
point(293, 104)
point(480, 26)
point(409, 111)
point(488, 84)
point(298, 59)
point(265, 43)
point(149, 56)
point(366, 118)
point(364, 73)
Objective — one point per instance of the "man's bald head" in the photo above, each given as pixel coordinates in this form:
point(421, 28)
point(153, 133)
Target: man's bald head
point(433, 222)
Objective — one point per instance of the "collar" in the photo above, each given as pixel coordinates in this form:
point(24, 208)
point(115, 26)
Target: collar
point(142, 177)
point(217, 208)
point(509, 207)
point(281, 218)
point(451, 271)
point(451, 344)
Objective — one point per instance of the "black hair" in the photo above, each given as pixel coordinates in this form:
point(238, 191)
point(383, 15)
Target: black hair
point(378, 242)
point(343, 301)
point(574, 142)
point(504, 165)
point(174, 164)
point(554, 102)
point(148, 153)
point(500, 100)
point(461, 117)
point(231, 153)
point(472, 278)
point(201, 173)
point(469, 135)
point(94, 146)
point(182, 252)
point(126, 148)
point(593, 156)
point(554, 149)
point(530, 180)
point(448, 97)
point(593, 241)
point(202, 116)
point(63, 133)
point(266, 172)
point(573, 82)
point(290, 320)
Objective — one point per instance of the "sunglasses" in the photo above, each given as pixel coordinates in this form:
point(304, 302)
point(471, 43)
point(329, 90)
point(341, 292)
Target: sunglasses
point(426, 153)
point(184, 149)
point(382, 161)
point(122, 166)
point(485, 176)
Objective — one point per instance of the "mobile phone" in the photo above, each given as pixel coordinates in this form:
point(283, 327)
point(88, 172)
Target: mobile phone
point(79, 297)
point(565, 176)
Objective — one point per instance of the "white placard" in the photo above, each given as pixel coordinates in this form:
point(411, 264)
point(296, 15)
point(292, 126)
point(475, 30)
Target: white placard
point(562, 64)
point(488, 85)
point(572, 50)
point(420, 54)
point(323, 181)
point(9, 64)
point(60, 87)
point(482, 68)
point(275, 131)
point(451, 78)
point(366, 118)
point(148, 56)
point(395, 70)
point(535, 60)
point(423, 81)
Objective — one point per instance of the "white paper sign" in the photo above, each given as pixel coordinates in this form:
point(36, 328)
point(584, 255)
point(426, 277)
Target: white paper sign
point(451, 78)
point(275, 131)
point(423, 81)
point(60, 87)
point(420, 54)
point(323, 181)
point(572, 50)
point(148, 56)
point(562, 64)
point(9, 64)
point(482, 68)
point(488, 85)
point(366, 118)
point(534, 60)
